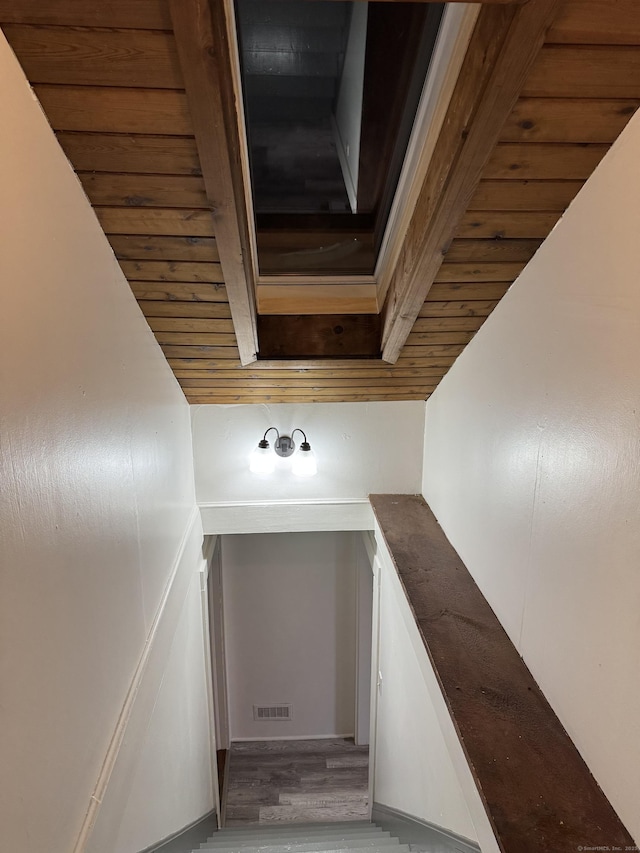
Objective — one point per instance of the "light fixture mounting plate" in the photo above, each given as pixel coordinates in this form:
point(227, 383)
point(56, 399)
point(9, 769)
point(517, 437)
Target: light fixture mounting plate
point(284, 446)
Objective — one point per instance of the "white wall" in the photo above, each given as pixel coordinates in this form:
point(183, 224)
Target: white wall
point(97, 492)
point(420, 767)
point(289, 614)
point(532, 466)
point(362, 448)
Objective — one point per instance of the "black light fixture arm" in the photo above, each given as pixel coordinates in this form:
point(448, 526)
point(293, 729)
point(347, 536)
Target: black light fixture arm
point(263, 462)
point(284, 445)
point(305, 444)
point(264, 443)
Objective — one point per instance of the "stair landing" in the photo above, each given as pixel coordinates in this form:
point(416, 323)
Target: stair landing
point(293, 782)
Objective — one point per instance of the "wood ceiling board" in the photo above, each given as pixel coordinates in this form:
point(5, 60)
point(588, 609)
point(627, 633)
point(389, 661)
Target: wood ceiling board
point(195, 357)
point(348, 376)
point(497, 250)
point(418, 338)
point(116, 110)
point(196, 325)
point(197, 339)
point(468, 290)
point(182, 271)
point(525, 195)
point(140, 14)
point(206, 310)
point(479, 272)
point(543, 162)
point(317, 299)
point(451, 324)
point(201, 37)
point(184, 351)
point(144, 190)
point(506, 224)
point(257, 399)
point(600, 71)
point(568, 120)
point(289, 387)
point(112, 152)
point(597, 22)
point(134, 247)
point(417, 350)
point(487, 89)
point(155, 221)
point(96, 57)
point(453, 308)
point(410, 359)
point(294, 366)
point(179, 291)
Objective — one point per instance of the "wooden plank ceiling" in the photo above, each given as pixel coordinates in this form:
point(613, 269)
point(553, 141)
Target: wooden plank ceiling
point(110, 81)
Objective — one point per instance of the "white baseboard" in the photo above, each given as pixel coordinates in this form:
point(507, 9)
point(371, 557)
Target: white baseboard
point(289, 737)
point(420, 833)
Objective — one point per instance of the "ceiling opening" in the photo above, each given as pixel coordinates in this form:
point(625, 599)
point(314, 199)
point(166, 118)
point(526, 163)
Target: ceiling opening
point(330, 92)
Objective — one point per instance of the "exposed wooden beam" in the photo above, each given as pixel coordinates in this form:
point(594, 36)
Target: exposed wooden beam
point(503, 48)
point(203, 49)
point(317, 298)
point(321, 336)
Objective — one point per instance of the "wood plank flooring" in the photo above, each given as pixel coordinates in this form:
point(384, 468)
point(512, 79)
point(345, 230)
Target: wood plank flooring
point(300, 781)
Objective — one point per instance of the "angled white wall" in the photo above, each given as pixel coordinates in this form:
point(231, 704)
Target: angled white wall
point(97, 503)
point(532, 466)
point(420, 767)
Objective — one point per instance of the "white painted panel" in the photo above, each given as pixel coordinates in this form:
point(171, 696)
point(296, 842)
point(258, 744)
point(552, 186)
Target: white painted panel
point(289, 615)
point(532, 467)
point(180, 763)
point(97, 487)
point(420, 767)
point(362, 448)
point(286, 516)
point(348, 117)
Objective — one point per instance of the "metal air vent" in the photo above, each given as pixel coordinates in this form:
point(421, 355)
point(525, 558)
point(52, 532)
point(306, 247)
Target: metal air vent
point(273, 712)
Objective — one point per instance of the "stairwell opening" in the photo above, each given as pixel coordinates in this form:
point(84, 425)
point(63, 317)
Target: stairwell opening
point(290, 621)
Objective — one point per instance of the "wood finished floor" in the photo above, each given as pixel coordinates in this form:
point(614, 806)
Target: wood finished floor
point(299, 781)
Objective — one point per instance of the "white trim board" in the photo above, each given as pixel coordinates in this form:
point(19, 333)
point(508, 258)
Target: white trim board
point(286, 516)
point(289, 737)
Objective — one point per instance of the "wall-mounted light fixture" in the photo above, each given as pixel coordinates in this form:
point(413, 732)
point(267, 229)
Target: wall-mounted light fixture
point(263, 458)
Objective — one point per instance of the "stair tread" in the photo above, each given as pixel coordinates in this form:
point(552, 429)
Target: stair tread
point(306, 829)
point(372, 848)
point(296, 846)
point(276, 838)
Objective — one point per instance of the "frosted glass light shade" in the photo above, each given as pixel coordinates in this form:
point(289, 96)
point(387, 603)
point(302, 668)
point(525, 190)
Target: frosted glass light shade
point(304, 462)
point(262, 460)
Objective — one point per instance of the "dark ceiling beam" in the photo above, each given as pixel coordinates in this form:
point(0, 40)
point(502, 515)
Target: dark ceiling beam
point(504, 45)
point(201, 36)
